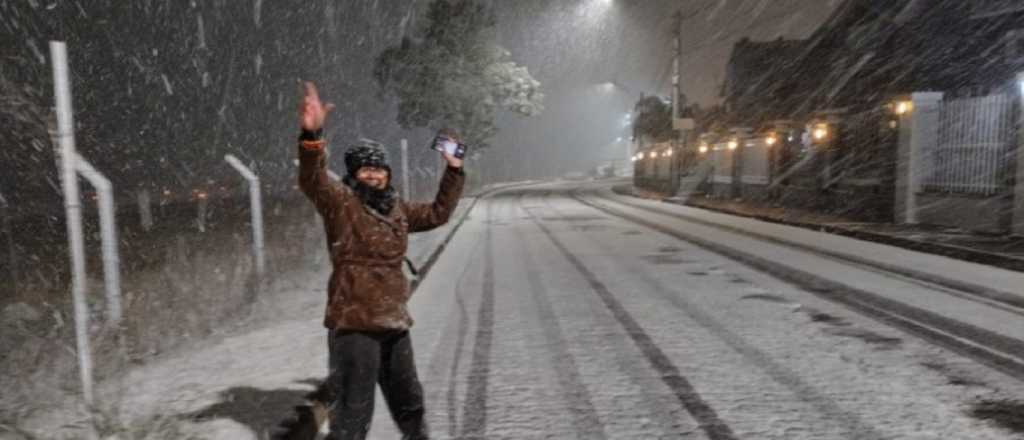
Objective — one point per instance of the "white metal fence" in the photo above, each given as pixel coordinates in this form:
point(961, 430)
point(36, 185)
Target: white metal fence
point(974, 147)
point(755, 169)
point(722, 157)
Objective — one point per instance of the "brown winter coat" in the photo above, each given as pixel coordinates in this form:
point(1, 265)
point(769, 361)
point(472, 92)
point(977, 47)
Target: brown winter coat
point(367, 290)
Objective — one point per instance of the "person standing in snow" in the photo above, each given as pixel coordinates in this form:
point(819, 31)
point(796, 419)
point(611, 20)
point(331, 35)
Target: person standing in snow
point(367, 227)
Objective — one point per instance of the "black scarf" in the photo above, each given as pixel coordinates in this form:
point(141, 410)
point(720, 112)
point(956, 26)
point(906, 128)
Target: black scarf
point(380, 200)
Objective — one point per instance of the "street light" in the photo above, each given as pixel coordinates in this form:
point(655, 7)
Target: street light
point(903, 107)
point(820, 132)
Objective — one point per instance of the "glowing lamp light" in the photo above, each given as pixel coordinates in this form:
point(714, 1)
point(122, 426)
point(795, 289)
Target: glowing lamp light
point(703, 149)
point(771, 140)
point(734, 144)
point(820, 132)
point(668, 153)
point(904, 107)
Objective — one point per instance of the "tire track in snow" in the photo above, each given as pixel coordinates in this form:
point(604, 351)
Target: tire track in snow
point(299, 424)
point(577, 398)
point(474, 411)
point(782, 375)
point(706, 416)
point(461, 327)
point(999, 352)
point(659, 408)
point(1006, 301)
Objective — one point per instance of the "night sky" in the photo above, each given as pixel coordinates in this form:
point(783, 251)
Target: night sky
point(165, 93)
point(573, 46)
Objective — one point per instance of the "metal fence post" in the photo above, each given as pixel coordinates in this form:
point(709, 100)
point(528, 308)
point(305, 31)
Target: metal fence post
point(108, 236)
point(201, 205)
point(256, 208)
point(145, 209)
point(73, 208)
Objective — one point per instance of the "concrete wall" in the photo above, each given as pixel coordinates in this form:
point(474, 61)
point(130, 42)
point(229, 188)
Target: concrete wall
point(981, 214)
point(1017, 217)
point(919, 130)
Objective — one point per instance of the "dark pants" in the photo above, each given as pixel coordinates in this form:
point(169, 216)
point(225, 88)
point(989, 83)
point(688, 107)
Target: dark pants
point(359, 361)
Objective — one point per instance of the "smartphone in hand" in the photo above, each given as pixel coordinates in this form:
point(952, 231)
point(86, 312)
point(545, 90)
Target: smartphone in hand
point(444, 144)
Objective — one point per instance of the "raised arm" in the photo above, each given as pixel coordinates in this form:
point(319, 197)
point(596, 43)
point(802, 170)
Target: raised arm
point(313, 178)
point(427, 216)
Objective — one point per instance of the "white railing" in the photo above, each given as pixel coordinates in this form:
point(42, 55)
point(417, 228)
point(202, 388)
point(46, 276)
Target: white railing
point(974, 148)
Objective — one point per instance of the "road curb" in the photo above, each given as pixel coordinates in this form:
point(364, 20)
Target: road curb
point(951, 251)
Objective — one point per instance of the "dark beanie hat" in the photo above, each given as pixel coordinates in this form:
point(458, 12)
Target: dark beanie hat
point(365, 155)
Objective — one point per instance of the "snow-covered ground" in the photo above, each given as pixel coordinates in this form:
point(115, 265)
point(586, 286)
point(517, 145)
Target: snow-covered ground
point(547, 318)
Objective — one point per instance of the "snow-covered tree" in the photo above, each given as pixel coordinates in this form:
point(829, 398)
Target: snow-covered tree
point(454, 74)
point(653, 120)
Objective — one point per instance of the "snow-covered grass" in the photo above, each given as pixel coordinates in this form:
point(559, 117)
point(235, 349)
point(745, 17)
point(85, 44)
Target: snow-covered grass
point(194, 285)
point(239, 378)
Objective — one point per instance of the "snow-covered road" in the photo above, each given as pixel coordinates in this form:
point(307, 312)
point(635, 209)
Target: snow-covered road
point(563, 311)
point(548, 318)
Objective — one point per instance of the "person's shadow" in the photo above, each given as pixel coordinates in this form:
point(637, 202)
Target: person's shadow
point(282, 414)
